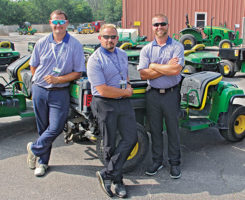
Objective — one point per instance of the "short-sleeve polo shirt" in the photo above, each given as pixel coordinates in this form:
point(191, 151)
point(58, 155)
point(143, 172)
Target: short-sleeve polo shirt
point(154, 53)
point(69, 58)
point(105, 67)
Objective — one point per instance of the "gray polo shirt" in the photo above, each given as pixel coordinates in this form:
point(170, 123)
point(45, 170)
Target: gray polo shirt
point(68, 58)
point(105, 67)
point(153, 53)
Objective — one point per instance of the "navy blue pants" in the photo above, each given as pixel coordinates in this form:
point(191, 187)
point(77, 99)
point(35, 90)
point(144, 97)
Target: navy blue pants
point(51, 111)
point(164, 107)
point(115, 115)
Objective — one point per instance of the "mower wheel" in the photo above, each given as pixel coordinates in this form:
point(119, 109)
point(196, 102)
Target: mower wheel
point(227, 68)
point(225, 44)
point(236, 124)
point(137, 154)
point(188, 41)
point(188, 69)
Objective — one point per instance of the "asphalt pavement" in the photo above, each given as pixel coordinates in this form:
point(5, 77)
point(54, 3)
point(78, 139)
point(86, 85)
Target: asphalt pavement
point(212, 168)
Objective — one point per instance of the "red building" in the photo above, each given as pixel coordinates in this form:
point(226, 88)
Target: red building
point(138, 14)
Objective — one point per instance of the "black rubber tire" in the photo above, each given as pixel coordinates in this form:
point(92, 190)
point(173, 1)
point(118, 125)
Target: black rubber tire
point(134, 161)
point(188, 41)
point(188, 69)
point(227, 68)
point(225, 44)
point(236, 124)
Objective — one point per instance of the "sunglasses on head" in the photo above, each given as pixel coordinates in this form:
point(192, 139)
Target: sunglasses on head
point(61, 22)
point(109, 36)
point(160, 23)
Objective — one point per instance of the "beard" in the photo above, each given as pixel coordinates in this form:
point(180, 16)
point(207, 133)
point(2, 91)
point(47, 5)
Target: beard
point(110, 46)
point(161, 33)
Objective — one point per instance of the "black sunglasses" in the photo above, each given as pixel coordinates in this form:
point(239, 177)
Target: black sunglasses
point(160, 23)
point(109, 36)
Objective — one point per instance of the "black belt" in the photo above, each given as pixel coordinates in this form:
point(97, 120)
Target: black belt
point(105, 98)
point(53, 88)
point(165, 90)
point(56, 88)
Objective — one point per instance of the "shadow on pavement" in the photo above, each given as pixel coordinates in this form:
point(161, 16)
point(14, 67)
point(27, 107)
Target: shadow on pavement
point(211, 166)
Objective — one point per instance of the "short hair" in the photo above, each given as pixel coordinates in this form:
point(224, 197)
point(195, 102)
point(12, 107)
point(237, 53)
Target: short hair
point(160, 16)
point(104, 26)
point(59, 12)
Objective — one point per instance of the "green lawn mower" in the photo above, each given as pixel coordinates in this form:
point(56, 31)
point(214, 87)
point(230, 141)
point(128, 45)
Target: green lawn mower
point(198, 59)
point(8, 53)
point(130, 38)
point(208, 35)
point(26, 29)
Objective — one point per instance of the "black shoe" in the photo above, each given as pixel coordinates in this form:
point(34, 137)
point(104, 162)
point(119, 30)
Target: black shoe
point(175, 171)
point(152, 170)
point(120, 190)
point(105, 184)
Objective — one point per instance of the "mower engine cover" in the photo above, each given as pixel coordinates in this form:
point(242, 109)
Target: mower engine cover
point(7, 53)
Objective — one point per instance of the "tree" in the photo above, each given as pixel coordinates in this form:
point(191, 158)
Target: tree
point(108, 10)
point(38, 11)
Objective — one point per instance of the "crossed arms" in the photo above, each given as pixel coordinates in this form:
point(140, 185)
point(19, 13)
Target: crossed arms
point(156, 70)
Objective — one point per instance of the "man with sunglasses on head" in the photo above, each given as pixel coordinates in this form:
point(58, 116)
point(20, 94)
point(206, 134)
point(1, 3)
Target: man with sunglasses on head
point(161, 62)
point(57, 59)
point(107, 70)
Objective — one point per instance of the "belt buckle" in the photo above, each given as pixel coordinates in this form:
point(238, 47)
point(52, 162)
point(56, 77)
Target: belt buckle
point(162, 91)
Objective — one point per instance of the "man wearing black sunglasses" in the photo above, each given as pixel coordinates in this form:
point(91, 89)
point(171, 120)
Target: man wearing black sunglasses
point(57, 59)
point(107, 70)
point(160, 64)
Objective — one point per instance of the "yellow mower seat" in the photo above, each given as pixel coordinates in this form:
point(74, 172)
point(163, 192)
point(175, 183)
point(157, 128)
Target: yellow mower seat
point(197, 47)
point(194, 88)
point(5, 44)
point(187, 52)
point(126, 45)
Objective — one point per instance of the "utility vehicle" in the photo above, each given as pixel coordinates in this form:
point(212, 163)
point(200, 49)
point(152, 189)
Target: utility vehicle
point(233, 60)
point(86, 28)
point(97, 24)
